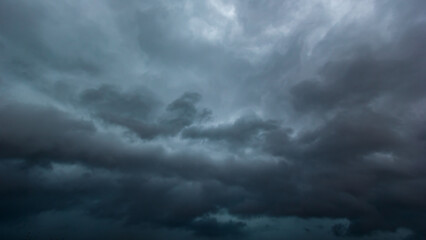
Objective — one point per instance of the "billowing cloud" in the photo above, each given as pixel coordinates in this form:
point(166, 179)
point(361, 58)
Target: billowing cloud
point(212, 120)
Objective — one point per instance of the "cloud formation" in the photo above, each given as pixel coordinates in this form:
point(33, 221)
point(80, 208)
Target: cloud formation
point(212, 120)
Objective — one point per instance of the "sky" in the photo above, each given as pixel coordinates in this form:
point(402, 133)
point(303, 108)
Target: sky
point(214, 119)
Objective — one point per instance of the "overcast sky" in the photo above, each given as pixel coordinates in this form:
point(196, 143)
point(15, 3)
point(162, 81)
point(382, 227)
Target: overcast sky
point(241, 119)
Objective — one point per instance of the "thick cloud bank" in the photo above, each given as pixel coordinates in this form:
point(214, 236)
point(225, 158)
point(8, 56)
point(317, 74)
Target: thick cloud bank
point(212, 119)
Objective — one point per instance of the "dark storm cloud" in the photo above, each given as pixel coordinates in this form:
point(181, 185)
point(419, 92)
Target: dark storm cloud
point(31, 131)
point(368, 139)
point(133, 110)
point(212, 228)
point(364, 79)
point(203, 120)
point(58, 139)
point(108, 99)
point(183, 112)
point(141, 113)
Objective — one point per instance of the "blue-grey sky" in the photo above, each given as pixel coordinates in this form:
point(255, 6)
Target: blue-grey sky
point(240, 119)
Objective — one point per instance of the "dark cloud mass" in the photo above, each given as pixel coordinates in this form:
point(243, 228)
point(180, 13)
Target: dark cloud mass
point(212, 119)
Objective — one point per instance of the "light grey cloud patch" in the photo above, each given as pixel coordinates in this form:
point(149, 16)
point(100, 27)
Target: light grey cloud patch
point(242, 132)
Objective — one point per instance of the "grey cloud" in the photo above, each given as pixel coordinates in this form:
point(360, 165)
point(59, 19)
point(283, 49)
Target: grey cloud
point(142, 113)
point(183, 112)
point(108, 99)
point(32, 131)
point(242, 131)
point(32, 48)
point(211, 227)
point(361, 81)
point(149, 119)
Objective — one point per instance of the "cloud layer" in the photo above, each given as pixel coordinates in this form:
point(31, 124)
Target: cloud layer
point(212, 119)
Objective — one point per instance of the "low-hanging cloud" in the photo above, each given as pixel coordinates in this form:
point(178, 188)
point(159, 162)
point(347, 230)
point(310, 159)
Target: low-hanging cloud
point(212, 120)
